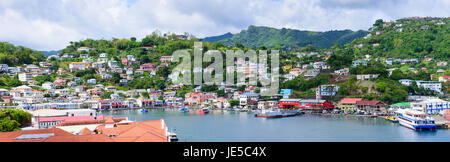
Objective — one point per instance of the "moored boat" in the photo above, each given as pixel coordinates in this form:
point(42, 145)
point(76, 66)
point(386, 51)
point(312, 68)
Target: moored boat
point(416, 120)
point(277, 113)
point(185, 109)
point(204, 110)
point(144, 110)
point(392, 119)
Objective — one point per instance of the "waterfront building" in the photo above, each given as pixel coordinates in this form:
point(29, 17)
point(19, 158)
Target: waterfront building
point(371, 106)
point(432, 106)
point(400, 105)
point(286, 103)
point(315, 105)
point(348, 104)
point(194, 98)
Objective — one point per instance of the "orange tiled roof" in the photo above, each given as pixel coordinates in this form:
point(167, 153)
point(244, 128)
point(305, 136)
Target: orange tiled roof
point(145, 131)
point(10, 136)
point(85, 131)
point(109, 120)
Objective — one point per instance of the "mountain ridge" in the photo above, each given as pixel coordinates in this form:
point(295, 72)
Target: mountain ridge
point(258, 36)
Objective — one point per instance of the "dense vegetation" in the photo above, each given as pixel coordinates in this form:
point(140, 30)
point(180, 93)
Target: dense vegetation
point(12, 119)
point(289, 39)
point(18, 55)
point(405, 38)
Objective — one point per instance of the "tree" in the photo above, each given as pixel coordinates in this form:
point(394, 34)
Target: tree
point(145, 94)
point(234, 103)
point(378, 23)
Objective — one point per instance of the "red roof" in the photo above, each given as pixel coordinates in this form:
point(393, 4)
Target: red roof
point(66, 118)
point(10, 136)
point(350, 100)
point(109, 120)
point(145, 131)
point(370, 103)
point(85, 131)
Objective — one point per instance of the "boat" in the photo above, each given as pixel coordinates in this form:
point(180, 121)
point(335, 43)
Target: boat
point(144, 110)
point(185, 109)
point(277, 113)
point(243, 110)
point(172, 137)
point(392, 119)
point(205, 110)
point(416, 120)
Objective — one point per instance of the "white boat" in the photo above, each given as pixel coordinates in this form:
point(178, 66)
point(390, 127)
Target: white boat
point(416, 120)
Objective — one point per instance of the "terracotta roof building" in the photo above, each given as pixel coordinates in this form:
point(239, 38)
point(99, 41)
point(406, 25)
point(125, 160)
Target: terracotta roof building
point(372, 106)
point(110, 130)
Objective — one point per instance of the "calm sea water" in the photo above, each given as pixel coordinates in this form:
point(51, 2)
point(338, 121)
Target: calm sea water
point(223, 126)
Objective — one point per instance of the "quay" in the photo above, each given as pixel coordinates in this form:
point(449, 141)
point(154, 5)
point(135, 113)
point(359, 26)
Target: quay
point(441, 122)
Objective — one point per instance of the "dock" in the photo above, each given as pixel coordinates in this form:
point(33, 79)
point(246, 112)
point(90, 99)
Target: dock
point(441, 122)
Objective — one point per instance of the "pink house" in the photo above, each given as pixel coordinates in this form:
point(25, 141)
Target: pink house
point(166, 58)
point(125, 61)
point(147, 67)
point(194, 98)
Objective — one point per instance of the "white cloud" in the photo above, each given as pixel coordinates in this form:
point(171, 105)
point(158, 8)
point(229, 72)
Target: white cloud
point(52, 24)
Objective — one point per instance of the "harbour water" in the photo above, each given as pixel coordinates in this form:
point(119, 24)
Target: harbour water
point(224, 126)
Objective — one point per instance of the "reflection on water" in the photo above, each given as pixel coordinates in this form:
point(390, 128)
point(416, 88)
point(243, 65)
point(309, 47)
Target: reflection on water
point(223, 126)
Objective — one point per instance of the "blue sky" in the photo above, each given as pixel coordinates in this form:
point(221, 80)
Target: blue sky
point(52, 24)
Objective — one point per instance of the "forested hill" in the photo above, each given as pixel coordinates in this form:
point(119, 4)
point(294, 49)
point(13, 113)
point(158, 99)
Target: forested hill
point(416, 37)
point(18, 55)
point(258, 36)
point(217, 38)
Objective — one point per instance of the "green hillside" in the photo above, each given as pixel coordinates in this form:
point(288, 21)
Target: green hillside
point(288, 39)
point(18, 55)
point(406, 38)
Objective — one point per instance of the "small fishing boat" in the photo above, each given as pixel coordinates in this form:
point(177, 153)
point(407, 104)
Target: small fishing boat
point(243, 110)
point(205, 110)
point(392, 119)
point(144, 110)
point(185, 109)
point(172, 137)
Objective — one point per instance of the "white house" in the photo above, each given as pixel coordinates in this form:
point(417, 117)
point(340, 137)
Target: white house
point(48, 85)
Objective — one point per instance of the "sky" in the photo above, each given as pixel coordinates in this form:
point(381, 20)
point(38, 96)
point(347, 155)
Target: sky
point(52, 24)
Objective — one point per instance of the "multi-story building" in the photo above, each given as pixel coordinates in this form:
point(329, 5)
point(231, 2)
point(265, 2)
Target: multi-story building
point(79, 66)
point(432, 106)
point(25, 77)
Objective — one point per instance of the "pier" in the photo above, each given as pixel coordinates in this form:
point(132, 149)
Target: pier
point(441, 122)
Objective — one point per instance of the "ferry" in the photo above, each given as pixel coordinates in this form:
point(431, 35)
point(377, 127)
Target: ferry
point(271, 113)
point(415, 120)
point(184, 109)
